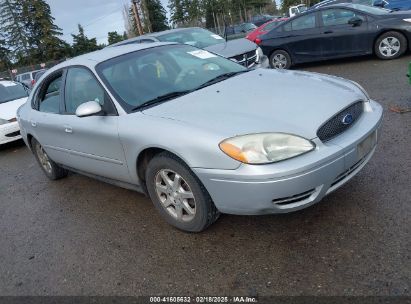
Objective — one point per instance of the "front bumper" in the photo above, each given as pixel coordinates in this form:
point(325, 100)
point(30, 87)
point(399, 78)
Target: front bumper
point(9, 132)
point(263, 63)
point(295, 183)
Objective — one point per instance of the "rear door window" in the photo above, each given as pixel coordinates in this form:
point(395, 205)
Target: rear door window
point(301, 23)
point(49, 95)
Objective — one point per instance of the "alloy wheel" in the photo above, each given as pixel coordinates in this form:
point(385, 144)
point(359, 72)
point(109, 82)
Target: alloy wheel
point(279, 61)
point(175, 195)
point(44, 159)
point(389, 46)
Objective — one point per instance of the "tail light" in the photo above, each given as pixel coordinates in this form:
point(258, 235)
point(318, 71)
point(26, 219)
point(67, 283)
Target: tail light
point(33, 82)
point(258, 41)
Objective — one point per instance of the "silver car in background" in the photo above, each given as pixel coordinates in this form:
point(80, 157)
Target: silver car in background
point(199, 133)
point(242, 50)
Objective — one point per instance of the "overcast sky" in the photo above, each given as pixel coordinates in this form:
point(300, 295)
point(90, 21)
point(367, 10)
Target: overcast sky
point(98, 17)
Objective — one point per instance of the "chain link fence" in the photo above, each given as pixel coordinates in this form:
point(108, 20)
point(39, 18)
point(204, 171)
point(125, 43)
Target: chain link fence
point(8, 74)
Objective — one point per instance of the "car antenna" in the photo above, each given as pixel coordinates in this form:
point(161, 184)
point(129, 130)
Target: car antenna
point(225, 28)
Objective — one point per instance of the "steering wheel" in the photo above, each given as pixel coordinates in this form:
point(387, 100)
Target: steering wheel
point(184, 73)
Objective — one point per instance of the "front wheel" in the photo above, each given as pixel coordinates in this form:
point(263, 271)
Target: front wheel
point(390, 45)
point(49, 167)
point(178, 195)
point(280, 60)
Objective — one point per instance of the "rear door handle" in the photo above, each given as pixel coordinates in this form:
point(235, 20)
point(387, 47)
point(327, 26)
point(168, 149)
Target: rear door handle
point(68, 129)
point(328, 32)
point(33, 123)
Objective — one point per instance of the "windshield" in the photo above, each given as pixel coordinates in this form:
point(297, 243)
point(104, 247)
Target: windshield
point(11, 91)
point(200, 38)
point(139, 77)
point(370, 9)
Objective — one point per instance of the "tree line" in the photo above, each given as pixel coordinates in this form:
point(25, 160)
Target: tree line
point(29, 35)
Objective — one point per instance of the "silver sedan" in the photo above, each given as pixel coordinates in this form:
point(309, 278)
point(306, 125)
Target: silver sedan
point(200, 134)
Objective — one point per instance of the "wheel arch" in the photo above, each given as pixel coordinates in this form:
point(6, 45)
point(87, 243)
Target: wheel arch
point(390, 30)
point(29, 140)
point(147, 154)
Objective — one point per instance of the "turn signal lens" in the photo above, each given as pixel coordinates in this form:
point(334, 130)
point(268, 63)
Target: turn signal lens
point(233, 152)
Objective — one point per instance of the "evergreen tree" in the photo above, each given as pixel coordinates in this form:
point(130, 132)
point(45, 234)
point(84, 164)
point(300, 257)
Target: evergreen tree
point(82, 44)
point(114, 37)
point(41, 32)
point(156, 15)
point(4, 54)
point(12, 25)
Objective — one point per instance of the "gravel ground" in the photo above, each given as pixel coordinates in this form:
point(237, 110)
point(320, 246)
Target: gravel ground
point(79, 236)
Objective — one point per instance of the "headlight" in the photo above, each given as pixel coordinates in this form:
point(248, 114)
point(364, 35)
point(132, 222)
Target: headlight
point(265, 148)
point(3, 121)
point(259, 53)
point(407, 20)
point(361, 89)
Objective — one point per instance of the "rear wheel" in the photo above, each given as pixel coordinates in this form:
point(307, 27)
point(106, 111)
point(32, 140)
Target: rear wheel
point(390, 45)
point(50, 168)
point(178, 195)
point(280, 60)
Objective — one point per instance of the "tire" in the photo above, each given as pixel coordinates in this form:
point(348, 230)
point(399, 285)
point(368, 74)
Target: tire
point(390, 45)
point(49, 167)
point(280, 60)
point(197, 209)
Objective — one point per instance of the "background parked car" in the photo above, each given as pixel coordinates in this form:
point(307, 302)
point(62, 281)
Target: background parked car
point(241, 51)
point(28, 78)
point(265, 28)
point(259, 20)
point(12, 96)
point(38, 76)
point(338, 31)
point(239, 30)
point(395, 5)
point(296, 10)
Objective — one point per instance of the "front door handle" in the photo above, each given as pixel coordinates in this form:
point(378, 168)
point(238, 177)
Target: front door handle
point(68, 129)
point(328, 32)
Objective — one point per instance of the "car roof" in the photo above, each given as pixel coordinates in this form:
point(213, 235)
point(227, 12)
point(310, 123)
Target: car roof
point(29, 72)
point(153, 35)
point(5, 83)
point(90, 60)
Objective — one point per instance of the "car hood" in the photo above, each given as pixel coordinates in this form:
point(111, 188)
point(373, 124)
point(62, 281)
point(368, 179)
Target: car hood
point(8, 110)
point(397, 14)
point(263, 100)
point(232, 48)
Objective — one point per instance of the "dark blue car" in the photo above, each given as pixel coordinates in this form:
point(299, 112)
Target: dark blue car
point(396, 5)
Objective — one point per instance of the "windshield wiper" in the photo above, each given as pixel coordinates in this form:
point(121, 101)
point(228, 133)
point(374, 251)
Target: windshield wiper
point(160, 99)
point(220, 78)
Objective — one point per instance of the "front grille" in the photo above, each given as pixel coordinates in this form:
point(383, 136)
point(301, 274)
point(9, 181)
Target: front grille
point(293, 199)
point(248, 59)
point(14, 134)
point(335, 125)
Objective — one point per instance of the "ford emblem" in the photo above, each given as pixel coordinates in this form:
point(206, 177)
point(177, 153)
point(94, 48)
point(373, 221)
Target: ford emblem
point(347, 119)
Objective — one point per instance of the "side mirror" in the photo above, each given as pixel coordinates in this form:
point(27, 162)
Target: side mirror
point(355, 21)
point(89, 108)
